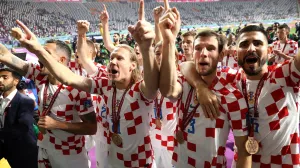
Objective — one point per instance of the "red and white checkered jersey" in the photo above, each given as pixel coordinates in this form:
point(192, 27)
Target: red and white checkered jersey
point(180, 59)
point(102, 71)
point(77, 69)
point(135, 150)
point(290, 49)
point(68, 106)
point(205, 140)
point(276, 128)
point(230, 61)
point(98, 102)
point(164, 137)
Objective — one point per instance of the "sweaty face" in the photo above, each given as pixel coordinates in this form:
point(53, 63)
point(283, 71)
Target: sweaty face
point(120, 66)
point(187, 45)
point(206, 55)
point(7, 81)
point(252, 51)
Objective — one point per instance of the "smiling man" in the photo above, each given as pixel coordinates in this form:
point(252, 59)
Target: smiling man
point(272, 95)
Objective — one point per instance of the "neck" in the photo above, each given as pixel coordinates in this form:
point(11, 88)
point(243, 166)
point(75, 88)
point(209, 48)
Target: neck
point(189, 57)
point(208, 79)
point(283, 40)
point(123, 84)
point(6, 93)
point(260, 75)
point(52, 80)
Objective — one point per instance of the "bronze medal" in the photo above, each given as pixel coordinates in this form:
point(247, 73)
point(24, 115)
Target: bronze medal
point(116, 138)
point(158, 123)
point(179, 137)
point(252, 146)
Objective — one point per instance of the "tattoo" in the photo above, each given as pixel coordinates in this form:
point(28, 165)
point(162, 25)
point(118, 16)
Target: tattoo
point(90, 117)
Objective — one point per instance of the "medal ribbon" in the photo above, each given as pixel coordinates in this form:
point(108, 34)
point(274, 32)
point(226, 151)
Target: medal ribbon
point(46, 110)
point(257, 93)
point(115, 113)
point(187, 117)
point(158, 106)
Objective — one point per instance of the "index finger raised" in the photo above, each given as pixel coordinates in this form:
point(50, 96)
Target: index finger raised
point(141, 10)
point(167, 6)
point(25, 28)
point(104, 7)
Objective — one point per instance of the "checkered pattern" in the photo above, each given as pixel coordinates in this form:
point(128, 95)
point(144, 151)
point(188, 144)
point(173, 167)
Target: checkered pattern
point(277, 128)
point(291, 49)
point(77, 69)
point(180, 59)
point(68, 106)
point(164, 137)
point(98, 103)
point(205, 140)
point(134, 127)
point(231, 63)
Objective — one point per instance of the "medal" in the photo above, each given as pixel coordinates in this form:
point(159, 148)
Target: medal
point(186, 118)
point(46, 107)
point(251, 145)
point(158, 112)
point(116, 138)
point(116, 110)
point(179, 137)
point(158, 123)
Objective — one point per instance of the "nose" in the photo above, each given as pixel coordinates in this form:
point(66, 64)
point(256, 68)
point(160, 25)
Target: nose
point(251, 48)
point(204, 52)
point(113, 61)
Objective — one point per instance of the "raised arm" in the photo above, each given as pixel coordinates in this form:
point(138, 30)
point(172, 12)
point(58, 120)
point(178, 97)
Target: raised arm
point(83, 48)
point(108, 44)
point(12, 61)
point(205, 96)
point(144, 35)
point(157, 12)
point(169, 27)
point(58, 70)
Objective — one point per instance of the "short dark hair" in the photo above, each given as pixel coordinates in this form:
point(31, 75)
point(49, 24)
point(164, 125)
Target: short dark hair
point(117, 34)
point(189, 33)
point(14, 73)
point(252, 28)
point(208, 33)
point(284, 26)
point(124, 42)
point(60, 45)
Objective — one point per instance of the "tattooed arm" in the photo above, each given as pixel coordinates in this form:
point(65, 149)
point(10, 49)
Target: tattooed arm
point(12, 61)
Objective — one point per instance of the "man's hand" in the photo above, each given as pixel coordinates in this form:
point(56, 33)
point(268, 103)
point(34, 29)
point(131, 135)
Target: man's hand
point(3, 50)
point(208, 101)
point(83, 27)
point(104, 15)
point(142, 31)
point(46, 122)
point(278, 52)
point(27, 39)
point(169, 23)
point(157, 13)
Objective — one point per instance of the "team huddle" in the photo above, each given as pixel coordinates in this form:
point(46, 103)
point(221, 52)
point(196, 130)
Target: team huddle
point(156, 108)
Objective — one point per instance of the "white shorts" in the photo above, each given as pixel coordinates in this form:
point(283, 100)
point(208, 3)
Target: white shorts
point(101, 154)
point(51, 158)
point(163, 157)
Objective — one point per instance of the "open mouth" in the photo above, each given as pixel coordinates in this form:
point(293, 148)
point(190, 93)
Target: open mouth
point(251, 60)
point(203, 63)
point(113, 71)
